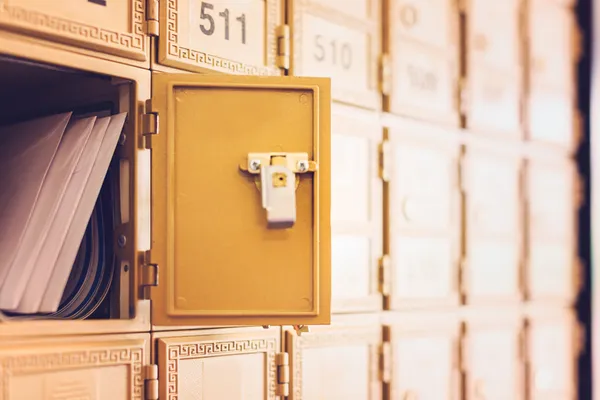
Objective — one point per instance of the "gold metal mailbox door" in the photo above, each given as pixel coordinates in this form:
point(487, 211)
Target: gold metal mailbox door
point(241, 200)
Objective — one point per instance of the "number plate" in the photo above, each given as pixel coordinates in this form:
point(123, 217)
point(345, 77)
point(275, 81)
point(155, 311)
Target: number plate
point(331, 41)
point(108, 26)
point(494, 102)
point(423, 44)
point(231, 36)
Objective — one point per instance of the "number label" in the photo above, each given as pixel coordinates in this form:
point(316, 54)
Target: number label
point(333, 52)
point(99, 2)
point(421, 79)
point(207, 25)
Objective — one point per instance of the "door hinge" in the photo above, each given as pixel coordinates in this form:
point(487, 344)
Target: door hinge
point(522, 345)
point(282, 362)
point(385, 362)
point(463, 96)
point(149, 125)
point(151, 382)
point(385, 74)
point(384, 275)
point(152, 27)
point(283, 47)
point(385, 150)
point(149, 270)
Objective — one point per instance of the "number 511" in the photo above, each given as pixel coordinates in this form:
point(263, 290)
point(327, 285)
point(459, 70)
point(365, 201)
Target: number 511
point(208, 21)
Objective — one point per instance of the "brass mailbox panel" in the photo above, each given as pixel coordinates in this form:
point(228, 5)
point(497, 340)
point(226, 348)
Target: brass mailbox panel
point(422, 40)
point(493, 358)
point(223, 365)
point(224, 259)
point(552, 269)
point(494, 66)
point(231, 36)
point(356, 211)
point(425, 357)
point(552, 355)
point(424, 218)
point(340, 39)
point(115, 27)
point(340, 361)
point(81, 367)
point(494, 239)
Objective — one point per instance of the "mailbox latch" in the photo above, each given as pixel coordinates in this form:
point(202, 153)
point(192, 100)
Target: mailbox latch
point(277, 180)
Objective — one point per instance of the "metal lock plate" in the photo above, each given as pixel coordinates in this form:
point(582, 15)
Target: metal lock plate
point(277, 180)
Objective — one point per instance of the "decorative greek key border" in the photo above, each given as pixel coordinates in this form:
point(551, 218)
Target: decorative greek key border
point(185, 351)
point(205, 60)
point(13, 365)
point(88, 35)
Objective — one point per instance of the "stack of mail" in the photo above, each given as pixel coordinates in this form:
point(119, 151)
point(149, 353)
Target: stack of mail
point(51, 173)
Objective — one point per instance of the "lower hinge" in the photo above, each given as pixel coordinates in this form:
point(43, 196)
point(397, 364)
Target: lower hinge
point(385, 362)
point(149, 125)
point(152, 12)
point(283, 47)
point(385, 74)
point(282, 362)
point(149, 270)
point(385, 275)
point(522, 349)
point(151, 382)
point(385, 158)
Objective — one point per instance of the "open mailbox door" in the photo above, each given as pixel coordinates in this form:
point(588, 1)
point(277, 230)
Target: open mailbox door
point(240, 200)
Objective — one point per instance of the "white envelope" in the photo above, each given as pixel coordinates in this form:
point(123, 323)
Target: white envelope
point(62, 268)
point(26, 152)
point(69, 151)
point(45, 259)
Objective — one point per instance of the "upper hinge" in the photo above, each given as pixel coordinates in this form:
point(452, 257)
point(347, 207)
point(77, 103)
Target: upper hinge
point(149, 270)
point(152, 17)
point(282, 362)
point(151, 382)
point(461, 5)
point(384, 274)
point(385, 166)
point(149, 125)
point(282, 33)
point(522, 349)
point(463, 96)
point(385, 362)
point(385, 74)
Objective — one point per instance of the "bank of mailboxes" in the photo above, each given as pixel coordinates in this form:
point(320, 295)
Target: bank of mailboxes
point(391, 208)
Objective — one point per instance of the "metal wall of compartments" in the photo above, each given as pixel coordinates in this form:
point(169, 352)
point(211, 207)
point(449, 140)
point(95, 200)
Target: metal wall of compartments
point(453, 210)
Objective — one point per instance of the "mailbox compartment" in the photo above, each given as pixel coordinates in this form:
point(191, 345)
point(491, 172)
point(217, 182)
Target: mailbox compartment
point(422, 41)
point(114, 30)
point(425, 360)
point(43, 81)
point(553, 195)
point(234, 37)
point(356, 210)
point(423, 211)
point(494, 229)
point(340, 40)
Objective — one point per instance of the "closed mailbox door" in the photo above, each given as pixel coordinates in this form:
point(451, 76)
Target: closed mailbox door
point(494, 363)
point(338, 362)
point(493, 229)
point(552, 359)
point(109, 367)
point(425, 361)
point(235, 37)
point(232, 366)
point(114, 27)
point(356, 213)
point(551, 205)
point(241, 200)
point(422, 40)
point(424, 210)
point(340, 39)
